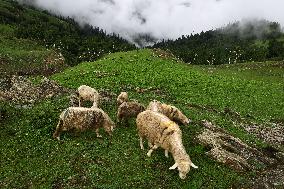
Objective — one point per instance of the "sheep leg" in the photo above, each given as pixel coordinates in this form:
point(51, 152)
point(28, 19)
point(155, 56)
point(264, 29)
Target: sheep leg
point(58, 129)
point(151, 150)
point(174, 166)
point(167, 153)
point(150, 144)
point(98, 134)
point(194, 166)
point(108, 129)
point(141, 143)
point(118, 118)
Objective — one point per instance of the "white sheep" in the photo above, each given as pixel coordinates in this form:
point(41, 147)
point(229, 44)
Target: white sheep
point(122, 97)
point(87, 93)
point(128, 110)
point(81, 119)
point(170, 111)
point(160, 131)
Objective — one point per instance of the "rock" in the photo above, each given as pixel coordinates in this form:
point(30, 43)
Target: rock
point(230, 150)
point(23, 91)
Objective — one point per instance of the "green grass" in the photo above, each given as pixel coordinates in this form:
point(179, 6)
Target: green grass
point(268, 72)
point(23, 56)
point(179, 83)
point(31, 158)
point(6, 30)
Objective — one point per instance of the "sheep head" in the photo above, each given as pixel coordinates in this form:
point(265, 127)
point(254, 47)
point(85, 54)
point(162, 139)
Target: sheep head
point(183, 168)
point(122, 97)
point(177, 116)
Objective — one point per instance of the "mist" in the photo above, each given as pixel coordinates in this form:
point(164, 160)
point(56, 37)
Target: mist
point(162, 19)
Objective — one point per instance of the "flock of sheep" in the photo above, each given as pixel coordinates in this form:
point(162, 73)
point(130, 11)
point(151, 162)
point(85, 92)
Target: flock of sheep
point(157, 123)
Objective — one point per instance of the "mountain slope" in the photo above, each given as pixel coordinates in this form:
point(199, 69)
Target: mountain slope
point(27, 29)
point(25, 56)
point(82, 160)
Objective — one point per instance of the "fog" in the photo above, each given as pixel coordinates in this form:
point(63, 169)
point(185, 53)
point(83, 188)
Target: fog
point(162, 19)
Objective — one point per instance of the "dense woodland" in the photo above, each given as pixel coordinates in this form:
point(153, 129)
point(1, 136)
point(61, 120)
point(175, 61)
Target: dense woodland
point(238, 42)
point(76, 43)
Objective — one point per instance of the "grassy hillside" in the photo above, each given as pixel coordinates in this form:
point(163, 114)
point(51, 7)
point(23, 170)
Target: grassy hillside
point(176, 83)
point(268, 72)
point(25, 56)
point(33, 41)
point(31, 158)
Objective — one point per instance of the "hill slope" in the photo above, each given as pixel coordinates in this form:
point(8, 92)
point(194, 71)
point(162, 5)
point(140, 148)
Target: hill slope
point(31, 158)
point(25, 56)
point(30, 36)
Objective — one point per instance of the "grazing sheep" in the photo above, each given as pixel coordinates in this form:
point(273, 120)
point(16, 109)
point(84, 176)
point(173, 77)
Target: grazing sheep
point(81, 119)
point(160, 131)
point(122, 97)
point(128, 110)
point(170, 111)
point(87, 93)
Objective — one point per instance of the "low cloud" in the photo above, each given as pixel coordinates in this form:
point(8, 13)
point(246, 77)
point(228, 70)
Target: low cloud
point(162, 19)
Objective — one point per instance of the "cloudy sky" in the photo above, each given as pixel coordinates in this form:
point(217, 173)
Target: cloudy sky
point(163, 18)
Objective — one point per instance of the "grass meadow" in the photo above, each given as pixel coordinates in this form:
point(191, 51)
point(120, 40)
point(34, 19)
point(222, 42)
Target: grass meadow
point(31, 158)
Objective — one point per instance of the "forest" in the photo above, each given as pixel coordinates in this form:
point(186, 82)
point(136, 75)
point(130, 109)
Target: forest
point(236, 43)
point(76, 42)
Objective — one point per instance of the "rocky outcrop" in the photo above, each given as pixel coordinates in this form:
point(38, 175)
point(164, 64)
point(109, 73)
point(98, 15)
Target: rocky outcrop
point(267, 163)
point(19, 89)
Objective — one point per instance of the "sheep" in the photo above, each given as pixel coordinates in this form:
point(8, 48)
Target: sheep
point(160, 131)
point(87, 93)
point(122, 97)
point(128, 110)
point(82, 119)
point(170, 111)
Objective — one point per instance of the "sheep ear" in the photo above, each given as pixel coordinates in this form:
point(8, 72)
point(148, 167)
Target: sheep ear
point(174, 166)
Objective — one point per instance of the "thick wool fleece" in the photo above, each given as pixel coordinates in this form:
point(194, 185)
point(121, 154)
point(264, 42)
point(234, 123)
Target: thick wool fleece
point(87, 93)
point(129, 110)
point(170, 111)
point(82, 119)
point(160, 131)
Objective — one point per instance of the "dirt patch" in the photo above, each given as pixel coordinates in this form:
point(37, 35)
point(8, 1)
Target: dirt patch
point(230, 150)
point(165, 54)
point(270, 178)
point(20, 90)
point(267, 164)
point(271, 132)
point(106, 95)
point(150, 89)
point(155, 90)
point(204, 108)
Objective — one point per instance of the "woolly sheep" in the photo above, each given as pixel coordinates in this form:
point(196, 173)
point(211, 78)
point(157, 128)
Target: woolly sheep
point(87, 93)
point(128, 110)
point(170, 111)
point(122, 97)
point(82, 119)
point(160, 131)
